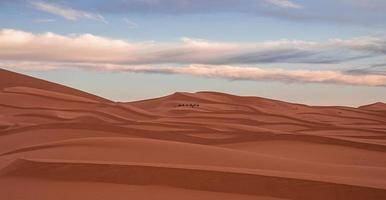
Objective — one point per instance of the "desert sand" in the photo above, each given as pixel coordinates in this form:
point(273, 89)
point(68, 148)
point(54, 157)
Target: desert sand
point(61, 143)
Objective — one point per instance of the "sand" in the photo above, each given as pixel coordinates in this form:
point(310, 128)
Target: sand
point(61, 143)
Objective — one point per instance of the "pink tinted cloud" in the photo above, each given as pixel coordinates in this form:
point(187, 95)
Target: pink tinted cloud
point(188, 56)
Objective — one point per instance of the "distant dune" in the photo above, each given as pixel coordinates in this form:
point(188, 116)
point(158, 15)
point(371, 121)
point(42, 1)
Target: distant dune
point(61, 143)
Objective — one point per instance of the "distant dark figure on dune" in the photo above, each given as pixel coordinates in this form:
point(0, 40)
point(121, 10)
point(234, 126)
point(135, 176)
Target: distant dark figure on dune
point(188, 105)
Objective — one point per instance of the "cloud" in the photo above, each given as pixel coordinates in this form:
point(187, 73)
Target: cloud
point(259, 74)
point(66, 12)
point(194, 6)
point(20, 45)
point(249, 73)
point(130, 24)
point(284, 4)
point(31, 66)
point(370, 44)
point(43, 20)
point(356, 12)
point(375, 69)
point(222, 71)
point(196, 57)
point(26, 46)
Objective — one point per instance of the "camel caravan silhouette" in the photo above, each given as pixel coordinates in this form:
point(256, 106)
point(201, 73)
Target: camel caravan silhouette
point(188, 105)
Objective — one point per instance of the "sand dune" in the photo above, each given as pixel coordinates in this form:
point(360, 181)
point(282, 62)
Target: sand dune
point(61, 143)
point(187, 177)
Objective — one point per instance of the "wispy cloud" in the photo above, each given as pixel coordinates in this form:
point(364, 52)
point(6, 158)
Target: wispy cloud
point(130, 24)
point(20, 45)
point(43, 20)
point(195, 6)
point(259, 74)
point(375, 69)
point(221, 71)
point(195, 57)
point(358, 12)
point(284, 4)
point(66, 12)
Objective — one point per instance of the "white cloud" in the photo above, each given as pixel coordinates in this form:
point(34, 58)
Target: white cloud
point(26, 46)
point(284, 4)
point(66, 12)
point(191, 56)
point(222, 71)
point(19, 45)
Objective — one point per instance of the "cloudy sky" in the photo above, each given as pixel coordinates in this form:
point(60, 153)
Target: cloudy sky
point(327, 52)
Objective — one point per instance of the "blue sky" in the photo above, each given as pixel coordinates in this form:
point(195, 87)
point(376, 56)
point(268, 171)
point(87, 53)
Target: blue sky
point(330, 52)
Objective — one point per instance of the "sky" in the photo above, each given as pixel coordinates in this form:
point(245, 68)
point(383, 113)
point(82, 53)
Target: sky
point(321, 52)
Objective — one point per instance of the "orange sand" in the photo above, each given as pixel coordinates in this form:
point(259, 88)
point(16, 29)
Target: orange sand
point(60, 143)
